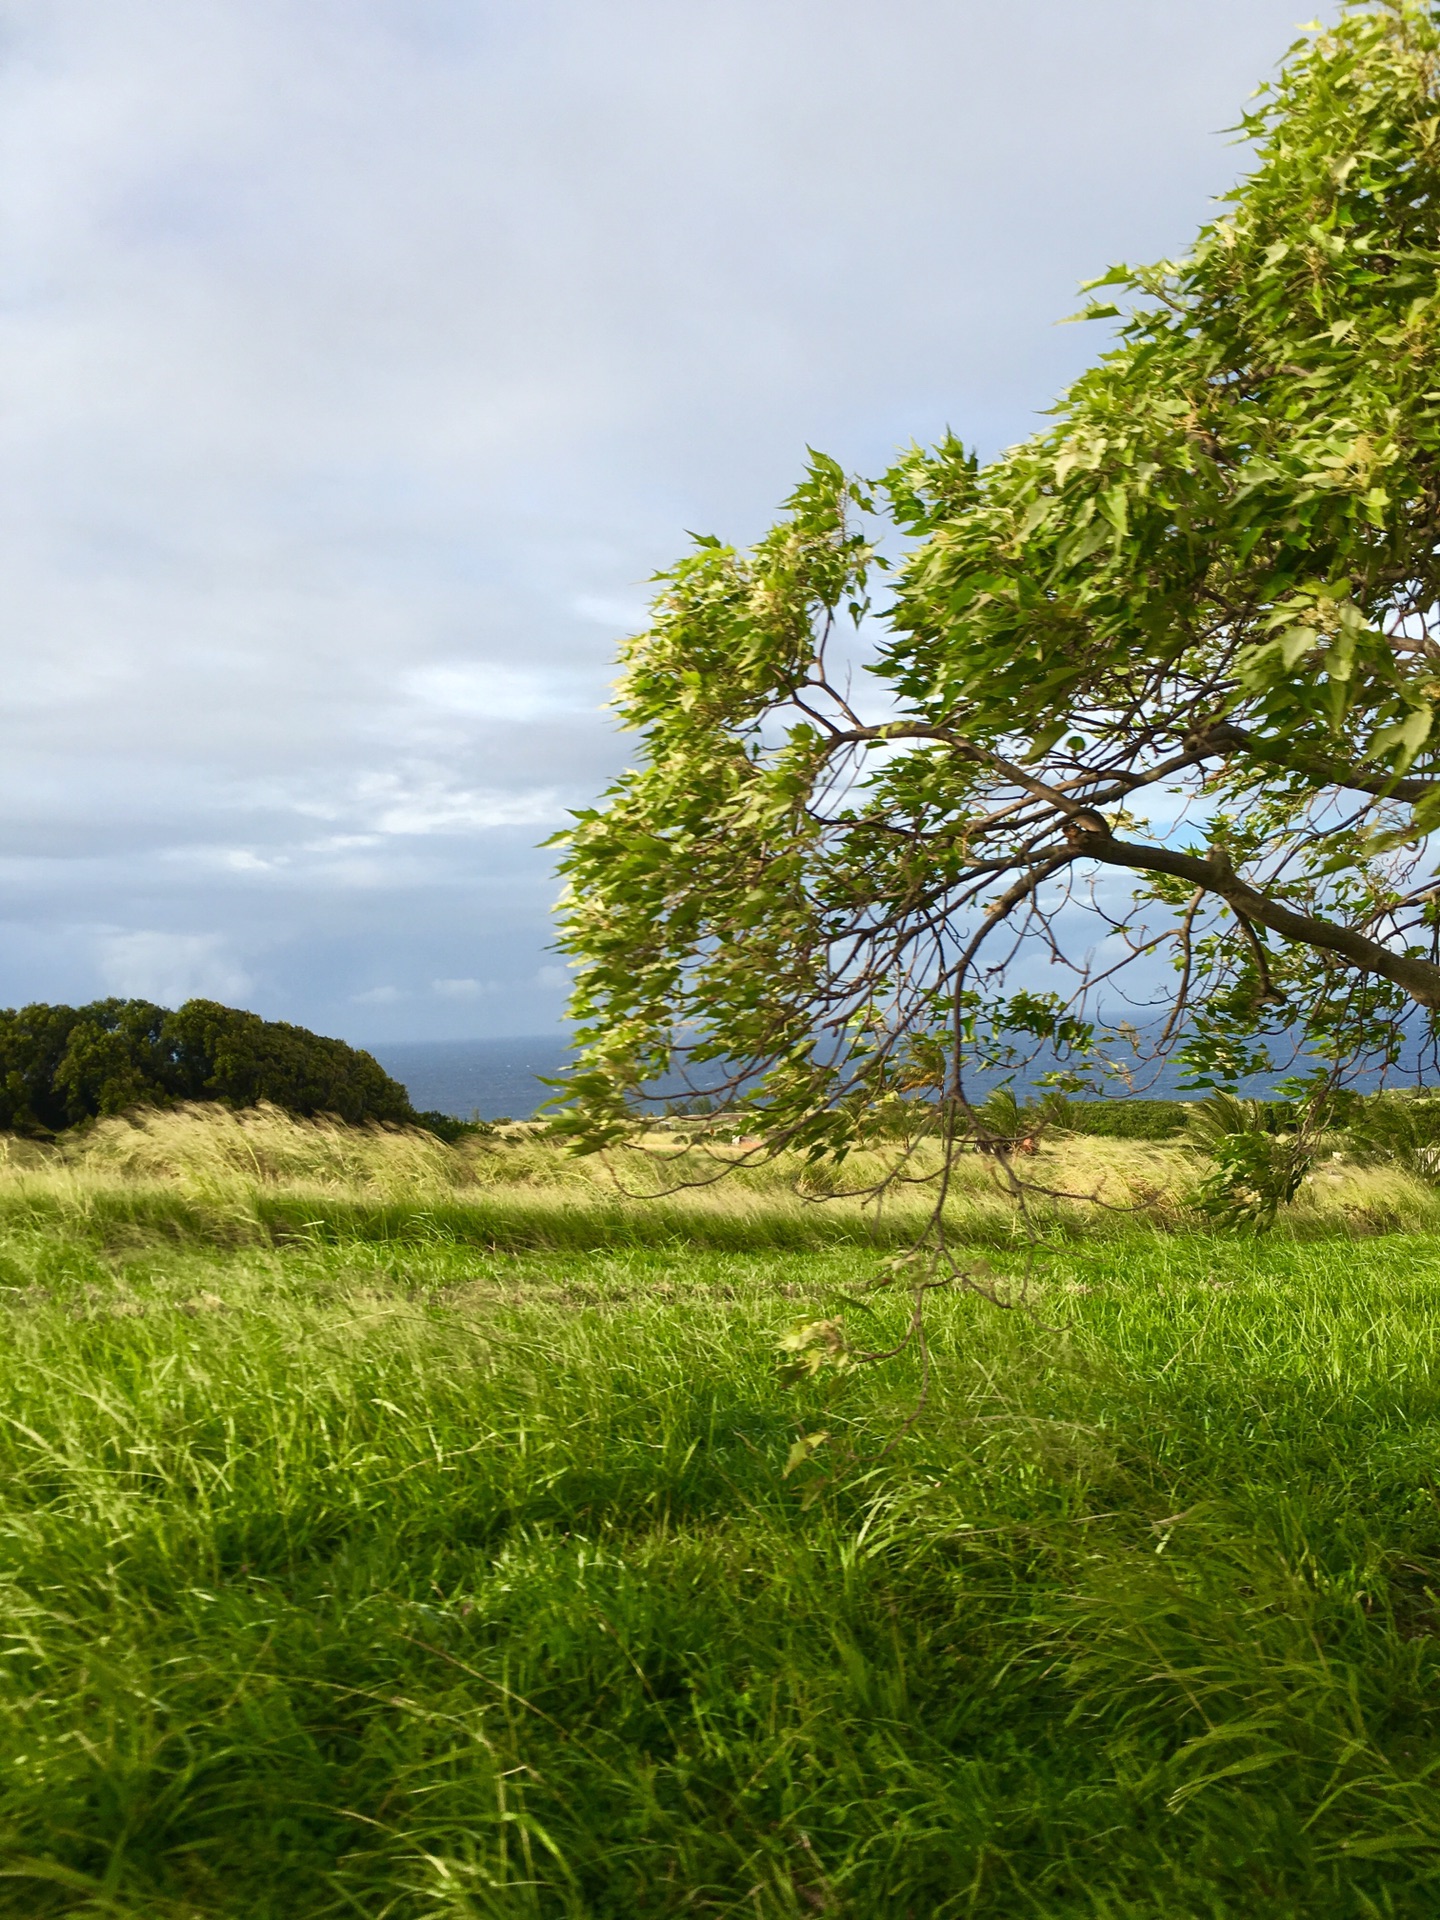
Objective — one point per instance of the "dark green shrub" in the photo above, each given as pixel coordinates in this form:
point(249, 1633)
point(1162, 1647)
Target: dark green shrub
point(1126, 1119)
point(447, 1128)
point(62, 1065)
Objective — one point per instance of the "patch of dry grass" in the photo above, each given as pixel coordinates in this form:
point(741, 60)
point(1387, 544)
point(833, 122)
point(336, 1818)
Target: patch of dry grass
point(245, 1171)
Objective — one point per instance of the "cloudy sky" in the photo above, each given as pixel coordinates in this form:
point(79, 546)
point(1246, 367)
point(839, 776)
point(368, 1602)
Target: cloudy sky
point(359, 359)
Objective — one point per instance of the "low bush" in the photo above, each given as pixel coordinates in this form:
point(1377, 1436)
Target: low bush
point(1127, 1119)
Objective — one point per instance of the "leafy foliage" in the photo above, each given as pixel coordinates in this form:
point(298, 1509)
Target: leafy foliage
point(61, 1065)
point(1403, 1131)
point(1206, 589)
point(1258, 1167)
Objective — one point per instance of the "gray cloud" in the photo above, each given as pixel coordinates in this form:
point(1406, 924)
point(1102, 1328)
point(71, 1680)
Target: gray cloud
point(359, 361)
point(170, 967)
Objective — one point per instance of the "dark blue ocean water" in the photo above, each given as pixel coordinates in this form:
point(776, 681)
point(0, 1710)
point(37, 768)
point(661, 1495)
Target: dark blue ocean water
point(498, 1079)
point(484, 1079)
point(491, 1079)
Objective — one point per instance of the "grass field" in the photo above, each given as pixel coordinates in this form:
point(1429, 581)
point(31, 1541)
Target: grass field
point(389, 1535)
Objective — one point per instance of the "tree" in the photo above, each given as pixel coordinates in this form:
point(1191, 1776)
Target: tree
point(63, 1065)
point(1151, 696)
point(225, 1054)
point(59, 1065)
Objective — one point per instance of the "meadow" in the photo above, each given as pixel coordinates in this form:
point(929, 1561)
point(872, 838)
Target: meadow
point(391, 1529)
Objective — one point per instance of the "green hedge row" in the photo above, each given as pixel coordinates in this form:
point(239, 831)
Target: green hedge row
point(1128, 1119)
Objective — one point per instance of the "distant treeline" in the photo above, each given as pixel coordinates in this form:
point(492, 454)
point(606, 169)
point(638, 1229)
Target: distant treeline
point(63, 1065)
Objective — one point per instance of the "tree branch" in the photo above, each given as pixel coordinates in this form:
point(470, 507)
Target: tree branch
point(1225, 738)
point(1419, 978)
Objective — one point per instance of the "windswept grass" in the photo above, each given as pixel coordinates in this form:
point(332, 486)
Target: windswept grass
point(420, 1579)
point(258, 1175)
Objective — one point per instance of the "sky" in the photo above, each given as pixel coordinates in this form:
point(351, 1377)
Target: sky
point(361, 359)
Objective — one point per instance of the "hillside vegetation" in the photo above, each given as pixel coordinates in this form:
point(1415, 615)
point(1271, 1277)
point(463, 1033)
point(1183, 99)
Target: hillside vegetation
point(60, 1066)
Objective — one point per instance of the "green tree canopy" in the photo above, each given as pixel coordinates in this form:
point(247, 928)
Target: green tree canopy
point(62, 1065)
point(1158, 685)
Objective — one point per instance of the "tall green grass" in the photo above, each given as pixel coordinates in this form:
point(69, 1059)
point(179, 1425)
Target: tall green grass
point(407, 1578)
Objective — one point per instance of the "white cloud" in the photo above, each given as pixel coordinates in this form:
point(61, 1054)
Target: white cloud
point(461, 989)
point(378, 997)
point(170, 967)
point(500, 694)
point(433, 806)
point(358, 361)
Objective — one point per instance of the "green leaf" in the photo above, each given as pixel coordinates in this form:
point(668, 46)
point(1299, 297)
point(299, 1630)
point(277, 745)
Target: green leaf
point(1404, 739)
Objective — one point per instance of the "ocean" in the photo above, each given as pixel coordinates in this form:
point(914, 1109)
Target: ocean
point(480, 1079)
point(484, 1079)
point(501, 1079)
